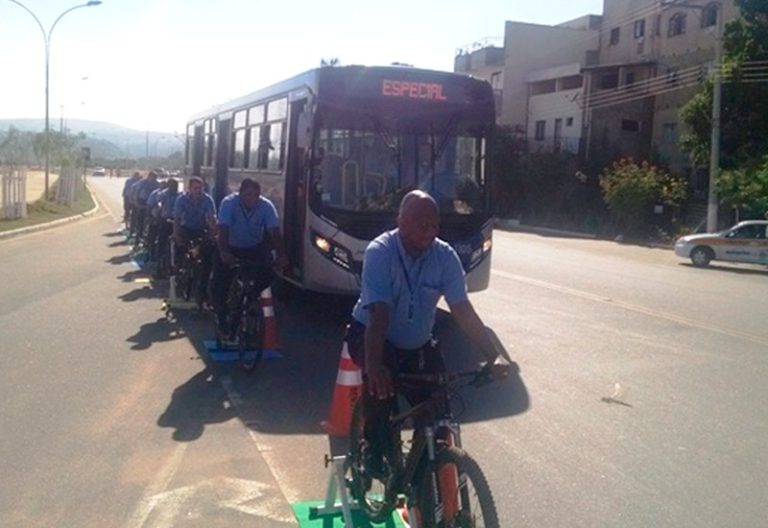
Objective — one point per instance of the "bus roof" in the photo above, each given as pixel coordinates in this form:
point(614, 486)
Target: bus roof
point(361, 85)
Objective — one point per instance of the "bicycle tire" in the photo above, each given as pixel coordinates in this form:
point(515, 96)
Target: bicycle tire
point(251, 336)
point(371, 494)
point(469, 504)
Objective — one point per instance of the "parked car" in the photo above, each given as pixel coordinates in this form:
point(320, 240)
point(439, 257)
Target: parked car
point(99, 171)
point(745, 242)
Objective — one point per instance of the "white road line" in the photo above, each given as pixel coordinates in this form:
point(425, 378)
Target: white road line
point(631, 307)
point(156, 487)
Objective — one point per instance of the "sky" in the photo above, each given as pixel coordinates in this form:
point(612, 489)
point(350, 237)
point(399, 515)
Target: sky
point(150, 64)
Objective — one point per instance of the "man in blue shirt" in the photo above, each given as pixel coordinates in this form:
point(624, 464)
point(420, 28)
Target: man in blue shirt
point(140, 192)
point(165, 206)
point(405, 272)
point(249, 230)
point(127, 204)
point(194, 216)
point(153, 219)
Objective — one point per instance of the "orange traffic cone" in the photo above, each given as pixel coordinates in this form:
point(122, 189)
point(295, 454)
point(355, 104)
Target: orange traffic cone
point(349, 387)
point(271, 338)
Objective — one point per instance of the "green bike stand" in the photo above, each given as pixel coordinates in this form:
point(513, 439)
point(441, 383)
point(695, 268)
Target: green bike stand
point(341, 513)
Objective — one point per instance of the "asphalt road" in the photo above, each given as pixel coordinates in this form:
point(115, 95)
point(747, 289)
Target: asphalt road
point(640, 400)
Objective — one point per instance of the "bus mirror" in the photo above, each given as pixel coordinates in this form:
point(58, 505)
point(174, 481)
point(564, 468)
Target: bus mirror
point(303, 133)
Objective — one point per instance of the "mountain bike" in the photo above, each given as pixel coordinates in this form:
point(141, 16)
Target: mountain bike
point(190, 282)
point(245, 314)
point(439, 482)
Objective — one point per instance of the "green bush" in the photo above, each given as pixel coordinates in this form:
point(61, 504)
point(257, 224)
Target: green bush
point(631, 191)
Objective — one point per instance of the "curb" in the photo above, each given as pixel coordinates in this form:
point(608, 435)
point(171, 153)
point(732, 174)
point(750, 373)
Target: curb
point(55, 223)
point(515, 225)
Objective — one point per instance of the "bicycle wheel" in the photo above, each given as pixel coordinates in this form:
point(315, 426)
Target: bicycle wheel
point(373, 494)
point(251, 336)
point(465, 498)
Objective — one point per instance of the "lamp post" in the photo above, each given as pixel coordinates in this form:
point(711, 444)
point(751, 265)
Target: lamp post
point(47, 39)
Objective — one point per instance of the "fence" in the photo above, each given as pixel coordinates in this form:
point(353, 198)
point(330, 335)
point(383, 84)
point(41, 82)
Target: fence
point(13, 193)
point(67, 186)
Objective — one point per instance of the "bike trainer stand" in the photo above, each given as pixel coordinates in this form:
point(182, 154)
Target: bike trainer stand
point(336, 486)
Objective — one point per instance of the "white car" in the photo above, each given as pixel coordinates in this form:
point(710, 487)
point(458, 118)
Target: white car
point(99, 171)
point(745, 242)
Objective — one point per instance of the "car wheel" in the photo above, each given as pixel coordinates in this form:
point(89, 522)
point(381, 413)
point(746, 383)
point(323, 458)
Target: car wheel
point(701, 256)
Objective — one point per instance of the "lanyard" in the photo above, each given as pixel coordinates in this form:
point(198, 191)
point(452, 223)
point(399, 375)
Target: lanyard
point(408, 282)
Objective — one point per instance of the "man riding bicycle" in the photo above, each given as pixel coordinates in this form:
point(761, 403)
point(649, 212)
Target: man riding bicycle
point(194, 215)
point(405, 273)
point(249, 229)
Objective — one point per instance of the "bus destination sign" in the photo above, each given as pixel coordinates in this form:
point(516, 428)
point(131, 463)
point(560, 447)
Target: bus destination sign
point(412, 90)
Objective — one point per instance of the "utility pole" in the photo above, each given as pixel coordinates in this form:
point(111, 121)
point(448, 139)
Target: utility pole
point(714, 154)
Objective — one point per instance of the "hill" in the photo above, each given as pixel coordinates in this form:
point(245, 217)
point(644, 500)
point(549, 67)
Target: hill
point(108, 140)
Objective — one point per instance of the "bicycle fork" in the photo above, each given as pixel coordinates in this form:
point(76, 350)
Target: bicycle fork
point(443, 481)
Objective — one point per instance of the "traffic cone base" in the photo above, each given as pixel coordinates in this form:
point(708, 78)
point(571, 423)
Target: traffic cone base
point(349, 387)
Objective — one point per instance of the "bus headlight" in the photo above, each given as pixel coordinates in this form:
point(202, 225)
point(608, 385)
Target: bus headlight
point(337, 254)
point(487, 245)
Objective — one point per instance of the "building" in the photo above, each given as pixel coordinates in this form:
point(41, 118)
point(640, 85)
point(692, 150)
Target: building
point(611, 85)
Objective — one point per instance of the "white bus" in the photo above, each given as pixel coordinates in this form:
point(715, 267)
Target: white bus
point(336, 148)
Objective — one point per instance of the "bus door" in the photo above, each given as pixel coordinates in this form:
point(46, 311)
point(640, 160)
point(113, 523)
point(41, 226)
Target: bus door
point(294, 213)
point(220, 187)
point(197, 151)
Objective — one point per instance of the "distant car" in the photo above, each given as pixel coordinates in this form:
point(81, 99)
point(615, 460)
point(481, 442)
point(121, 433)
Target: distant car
point(745, 242)
point(99, 171)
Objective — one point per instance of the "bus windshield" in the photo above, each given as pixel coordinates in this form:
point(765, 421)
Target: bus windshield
point(364, 166)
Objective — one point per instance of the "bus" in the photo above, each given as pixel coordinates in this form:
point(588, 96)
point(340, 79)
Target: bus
point(336, 148)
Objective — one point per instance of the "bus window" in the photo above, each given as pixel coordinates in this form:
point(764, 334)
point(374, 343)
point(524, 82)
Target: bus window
point(275, 147)
point(365, 170)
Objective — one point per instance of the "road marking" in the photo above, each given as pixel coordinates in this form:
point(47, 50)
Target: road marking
point(631, 307)
point(156, 487)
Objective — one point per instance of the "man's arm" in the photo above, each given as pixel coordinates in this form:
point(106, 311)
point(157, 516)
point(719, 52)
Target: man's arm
point(223, 244)
point(473, 327)
point(277, 242)
point(379, 379)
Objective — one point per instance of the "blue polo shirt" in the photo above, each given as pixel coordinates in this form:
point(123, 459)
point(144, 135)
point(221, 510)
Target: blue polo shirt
point(167, 203)
point(247, 228)
point(128, 184)
point(194, 215)
point(153, 201)
point(143, 189)
point(410, 287)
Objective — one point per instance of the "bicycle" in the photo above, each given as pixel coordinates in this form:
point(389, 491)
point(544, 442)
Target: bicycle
point(189, 272)
point(246, 317)
point(441, 484)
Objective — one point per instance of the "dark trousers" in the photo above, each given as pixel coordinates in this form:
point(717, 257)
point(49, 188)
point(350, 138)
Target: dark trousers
point(153, 228)
point(164, 232)
point(258, 258)
point(428, 359)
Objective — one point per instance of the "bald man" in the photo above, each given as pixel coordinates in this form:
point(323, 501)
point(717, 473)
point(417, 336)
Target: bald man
point(405, 272)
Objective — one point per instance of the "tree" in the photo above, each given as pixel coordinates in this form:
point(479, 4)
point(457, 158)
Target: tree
point(13, 147)
point(631, 191)
point(744, 122)
point(746, 190)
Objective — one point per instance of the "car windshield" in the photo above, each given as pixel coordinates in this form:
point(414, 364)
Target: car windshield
point(369, 167)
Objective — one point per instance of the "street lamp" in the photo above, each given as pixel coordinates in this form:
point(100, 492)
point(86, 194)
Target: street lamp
point(47, 39)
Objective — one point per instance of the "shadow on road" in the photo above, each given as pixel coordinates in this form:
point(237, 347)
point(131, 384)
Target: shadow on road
point(754, 270)
point(199, 402)
point(155, 332)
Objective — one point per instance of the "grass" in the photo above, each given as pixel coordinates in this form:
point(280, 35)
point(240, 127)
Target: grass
point(43, 211)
